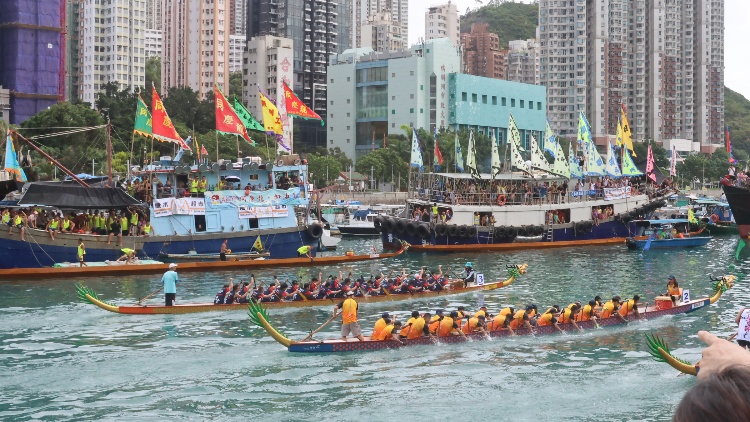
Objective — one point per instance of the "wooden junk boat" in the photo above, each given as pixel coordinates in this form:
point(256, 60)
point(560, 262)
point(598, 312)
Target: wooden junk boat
point(662, 306)
point(88, 295)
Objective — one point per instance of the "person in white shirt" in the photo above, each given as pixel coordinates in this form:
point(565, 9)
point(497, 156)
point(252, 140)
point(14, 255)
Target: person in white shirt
point(743, 327)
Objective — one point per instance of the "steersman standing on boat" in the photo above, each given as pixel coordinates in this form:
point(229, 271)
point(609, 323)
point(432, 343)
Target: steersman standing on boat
point(349, 322)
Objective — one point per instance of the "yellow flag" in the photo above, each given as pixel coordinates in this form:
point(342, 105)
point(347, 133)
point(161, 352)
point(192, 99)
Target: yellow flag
point(258, 245)
point(691, 217)
point(627, 135)
point(618, 135)
point(271, 116)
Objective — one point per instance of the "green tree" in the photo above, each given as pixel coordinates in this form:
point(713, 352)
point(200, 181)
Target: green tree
point(509, 20)
point(235, 86)
point(73, 151)
point(324, 169)
point(153, 73)
point(119, 105)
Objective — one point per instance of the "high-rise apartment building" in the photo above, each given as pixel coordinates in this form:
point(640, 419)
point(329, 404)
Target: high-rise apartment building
point(382, 34)
point(267, 63)
point(371, 12)
point(195, 48)
point(522, 62)
point(153, 43)
point(662, 59)
point(154, 14)
point(112, 47)
point(481, 52)
point(31, 48)
point(236, 51)
point(442, 22)
point(238, 17)
point(318, 29)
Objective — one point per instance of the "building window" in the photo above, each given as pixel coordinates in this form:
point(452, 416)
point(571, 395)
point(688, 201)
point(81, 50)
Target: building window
point(411, 73)
point(393, 125)
point(464, 97)
point(484, 99)
point(521, 103)
point(411, 96)
point(503, 101)
point(393, 97)
point(421, 110)
point(421, 87)
point(512, 102)
point(348, 101)
point(348, 78)
point(331, 102)
point(348, 128)
point(393, 111)
point(331, 80)
point(494, 100)
point(411, 110)
point(393, 75)
point(473, 98)
point(348, 141)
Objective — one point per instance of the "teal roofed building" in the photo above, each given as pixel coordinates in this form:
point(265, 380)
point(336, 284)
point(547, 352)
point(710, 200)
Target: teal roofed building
point(485, 104)
point(371, 95)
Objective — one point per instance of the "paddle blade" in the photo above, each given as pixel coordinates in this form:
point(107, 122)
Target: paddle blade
point(648, 244)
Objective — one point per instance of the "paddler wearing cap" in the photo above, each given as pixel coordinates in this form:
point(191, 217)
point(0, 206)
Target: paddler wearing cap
point(380, 324)
point(349, 322)
point(468, 275)
point(169, 280)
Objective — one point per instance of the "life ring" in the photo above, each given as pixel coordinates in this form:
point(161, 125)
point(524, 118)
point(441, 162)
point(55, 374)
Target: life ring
point(411, 229)
point(714, 218)
point(378, 224)
point(280, 162)
point(471, 231)
point(315, 230)
point(297, 162)
point(511, 232)
point(441, 230)
point(388, 225)
point(453, 231)
point(462, 230)
point(400, 226)
point(501, 199)
point(423, 231)
point(499, 232)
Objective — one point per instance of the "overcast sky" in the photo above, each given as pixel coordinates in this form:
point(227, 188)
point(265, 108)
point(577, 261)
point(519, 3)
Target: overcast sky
point(737, 32)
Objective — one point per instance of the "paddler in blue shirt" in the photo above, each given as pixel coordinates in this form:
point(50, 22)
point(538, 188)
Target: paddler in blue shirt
point(170, 279)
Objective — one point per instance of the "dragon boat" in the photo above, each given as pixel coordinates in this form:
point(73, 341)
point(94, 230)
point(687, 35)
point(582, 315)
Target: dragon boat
point(662, 306)
point(160, 267)
point(88, 295)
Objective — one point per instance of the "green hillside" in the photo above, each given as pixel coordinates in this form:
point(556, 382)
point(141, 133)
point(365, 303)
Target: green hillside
point(737, 117)
point(510, 21)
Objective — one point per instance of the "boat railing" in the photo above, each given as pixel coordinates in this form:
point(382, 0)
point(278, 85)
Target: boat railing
point(517, 198)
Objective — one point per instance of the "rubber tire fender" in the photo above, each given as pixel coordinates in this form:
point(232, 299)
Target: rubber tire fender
point(423, 231)
point(315, 230)
point(388, 225)
point(453, 231)
point(378, 223)
point(499, 232)
point(511, 232)
point(462, 230)
point(400, 226)
point(471, 231)
point(441, 229)
point(411, 228)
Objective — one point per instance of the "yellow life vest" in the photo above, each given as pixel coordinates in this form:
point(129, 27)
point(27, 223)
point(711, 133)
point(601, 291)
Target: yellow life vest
point(81, 251)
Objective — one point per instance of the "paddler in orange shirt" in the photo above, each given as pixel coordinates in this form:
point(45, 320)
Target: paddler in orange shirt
point(349, 322)
point(419, 327)
point(521, 318)
point(569, 315)
point(549, 318)
point(500, 322)
point(449, 327)
point(610, 309)
point(630, 307)
point(380, 324)
point(587, 313)
point(390, 332)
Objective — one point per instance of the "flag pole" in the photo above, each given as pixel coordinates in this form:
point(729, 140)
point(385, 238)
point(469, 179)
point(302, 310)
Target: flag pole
point(216, 134)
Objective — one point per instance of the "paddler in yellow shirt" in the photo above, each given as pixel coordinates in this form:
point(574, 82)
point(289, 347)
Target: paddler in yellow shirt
point(349, 322)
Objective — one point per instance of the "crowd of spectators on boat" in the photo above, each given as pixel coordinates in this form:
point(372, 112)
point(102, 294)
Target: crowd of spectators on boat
point(524, 192)
point(735, 178)
point(132, 221)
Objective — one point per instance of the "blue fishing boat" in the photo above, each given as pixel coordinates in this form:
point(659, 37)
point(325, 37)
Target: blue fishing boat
point(668, 233)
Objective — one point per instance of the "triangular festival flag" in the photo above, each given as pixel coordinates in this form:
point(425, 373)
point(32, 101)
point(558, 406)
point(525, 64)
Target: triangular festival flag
point(162, 126)
point(295, 107)
point(143, 119)
point(226, 119)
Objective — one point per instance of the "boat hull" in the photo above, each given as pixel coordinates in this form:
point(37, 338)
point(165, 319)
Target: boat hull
point(738, 199)
point(353, 345)
point(39, 250)
point(69, 272)
point(687, 242)
point(563, 235)
point(357, 231)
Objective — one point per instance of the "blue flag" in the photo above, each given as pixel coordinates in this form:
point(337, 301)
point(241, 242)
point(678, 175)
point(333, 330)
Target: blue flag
point(416, 152)
point(11, 160)
point(459, 156)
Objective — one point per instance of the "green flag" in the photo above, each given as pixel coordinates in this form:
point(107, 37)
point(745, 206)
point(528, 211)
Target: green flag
point(740, 246)
point(143, 120)
point(247, 119)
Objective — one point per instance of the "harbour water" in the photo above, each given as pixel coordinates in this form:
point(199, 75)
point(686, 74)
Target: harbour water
point(62, 359)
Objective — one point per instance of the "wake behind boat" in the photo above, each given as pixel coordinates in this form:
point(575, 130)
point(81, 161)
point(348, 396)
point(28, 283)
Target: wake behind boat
point(662, 307)
point(296, 301)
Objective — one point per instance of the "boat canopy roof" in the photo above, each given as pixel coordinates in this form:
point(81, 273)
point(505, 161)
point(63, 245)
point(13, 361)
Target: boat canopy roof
point(711, 202)
point(666, 221)
point(77, 197)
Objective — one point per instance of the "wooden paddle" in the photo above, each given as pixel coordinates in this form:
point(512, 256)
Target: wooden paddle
point(320, 328)
point(730, 338)
point(150, 295)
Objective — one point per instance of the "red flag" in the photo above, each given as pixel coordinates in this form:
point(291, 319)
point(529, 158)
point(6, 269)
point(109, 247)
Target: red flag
point(438, 154)
point(162, 126)
point(203, 150)
point(227, 120)
point(295, 107)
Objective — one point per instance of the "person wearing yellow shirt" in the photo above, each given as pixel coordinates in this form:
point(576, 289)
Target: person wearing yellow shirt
point(673, 289)
point(501, 322)
point(133, 223)
point(146, 230)
point(124, 224)
point(81, 253)
point(522, 319)
point(420, 327)
point(202, 185)
point(380, 324)
point(409, 323)
point(630, 307)
point(568, 315)
point(549, 318)
point(390, 332)
point(128, 255)
point(53, 226)
point(18, 221)
point(588, 312)
point(475, 324)
point(610, 309)
point(449, 327)
point(349, 322)
point(194, 186)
